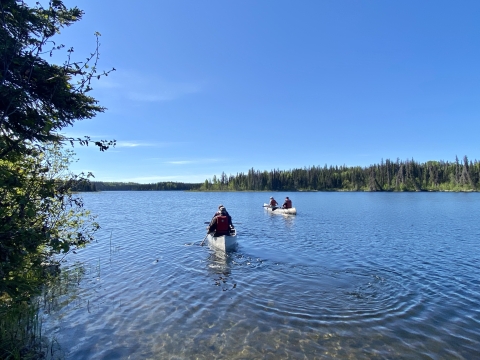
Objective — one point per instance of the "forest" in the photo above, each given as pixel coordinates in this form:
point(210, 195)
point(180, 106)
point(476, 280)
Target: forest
point(388, 175)
point(88, 186)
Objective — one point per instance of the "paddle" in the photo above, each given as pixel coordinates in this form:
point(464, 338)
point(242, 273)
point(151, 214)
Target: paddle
point(270, 207)
point(203, 240)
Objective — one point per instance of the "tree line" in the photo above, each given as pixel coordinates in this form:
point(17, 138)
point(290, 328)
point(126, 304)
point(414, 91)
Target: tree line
point(388, 175)
point(131, 186)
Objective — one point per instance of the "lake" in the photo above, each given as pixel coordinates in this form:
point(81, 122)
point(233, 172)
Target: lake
point(352, 275)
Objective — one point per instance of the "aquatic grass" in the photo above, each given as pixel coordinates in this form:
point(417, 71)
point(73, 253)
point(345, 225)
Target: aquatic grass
point(45, 289)
point(60, 292)
point(112, 248)
point(20, 323)
point(20, 330)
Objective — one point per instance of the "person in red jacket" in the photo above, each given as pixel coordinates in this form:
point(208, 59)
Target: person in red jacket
point(273, 203)
point(221, 223)
point(287, 204)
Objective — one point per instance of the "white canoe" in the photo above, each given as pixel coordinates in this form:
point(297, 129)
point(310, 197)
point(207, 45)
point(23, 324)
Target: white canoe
point(224, 242)
point(279, 210)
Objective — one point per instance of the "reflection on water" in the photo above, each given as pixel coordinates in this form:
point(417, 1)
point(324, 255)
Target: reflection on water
point(63, 289)
point(219, 266)
point(364, 276)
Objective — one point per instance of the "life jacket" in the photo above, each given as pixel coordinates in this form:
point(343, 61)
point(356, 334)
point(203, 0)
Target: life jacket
point(288, 204)
point(222, 225)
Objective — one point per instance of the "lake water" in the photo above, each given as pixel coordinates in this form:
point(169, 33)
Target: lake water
point(351, 276)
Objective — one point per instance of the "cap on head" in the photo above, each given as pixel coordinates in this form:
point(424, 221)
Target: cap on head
point(286, 197)
point(271, 197)
point(220, 206)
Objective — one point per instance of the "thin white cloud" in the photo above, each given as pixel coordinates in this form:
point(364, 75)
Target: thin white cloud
point(181, 162)
point(123, 143)
point(163, 91)
point(130, 144)
point(196, 161)
point(140, 88)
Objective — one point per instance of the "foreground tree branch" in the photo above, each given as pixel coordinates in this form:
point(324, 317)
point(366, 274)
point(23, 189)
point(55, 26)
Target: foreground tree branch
point(40, 216)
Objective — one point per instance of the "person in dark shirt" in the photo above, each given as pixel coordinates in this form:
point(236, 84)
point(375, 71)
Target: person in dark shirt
point(287, 204)
point(221, 223)
point(219, 210)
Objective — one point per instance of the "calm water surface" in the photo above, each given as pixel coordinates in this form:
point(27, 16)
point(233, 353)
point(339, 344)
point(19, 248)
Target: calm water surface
point(352, 276)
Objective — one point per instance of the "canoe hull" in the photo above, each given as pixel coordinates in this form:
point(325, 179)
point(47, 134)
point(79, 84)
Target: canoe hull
point(224, 242)
point(291, 211)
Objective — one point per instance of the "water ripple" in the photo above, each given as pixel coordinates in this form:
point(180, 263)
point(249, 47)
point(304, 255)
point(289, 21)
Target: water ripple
point(364, 276)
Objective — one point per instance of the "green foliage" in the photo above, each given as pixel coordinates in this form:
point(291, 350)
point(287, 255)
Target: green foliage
point(20, 331)
point(21, 323)
point(130, 186)
point(39, 217)
point(386, 176)
point(37, 98)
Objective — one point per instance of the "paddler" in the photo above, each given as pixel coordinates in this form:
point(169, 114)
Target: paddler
point(287, 203)
point(221, 223)
point(273, 203)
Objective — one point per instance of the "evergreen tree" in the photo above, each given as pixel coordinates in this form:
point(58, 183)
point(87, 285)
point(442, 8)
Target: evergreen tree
point(37, 100)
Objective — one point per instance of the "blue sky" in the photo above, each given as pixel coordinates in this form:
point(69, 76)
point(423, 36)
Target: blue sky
point(203, 87)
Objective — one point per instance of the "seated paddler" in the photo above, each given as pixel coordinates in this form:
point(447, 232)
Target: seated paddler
point(221, 223)
point(287, 204)
point(219, 211)
point(273, 203)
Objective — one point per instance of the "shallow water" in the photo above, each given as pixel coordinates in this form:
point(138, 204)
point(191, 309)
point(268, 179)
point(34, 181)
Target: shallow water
point(352, 275)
